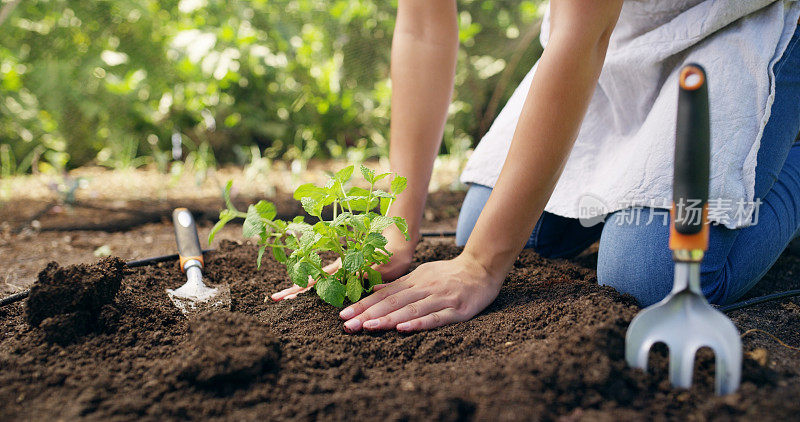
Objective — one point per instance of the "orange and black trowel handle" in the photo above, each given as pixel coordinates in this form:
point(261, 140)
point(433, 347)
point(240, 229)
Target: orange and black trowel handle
point(186, 237)
point(688, 227)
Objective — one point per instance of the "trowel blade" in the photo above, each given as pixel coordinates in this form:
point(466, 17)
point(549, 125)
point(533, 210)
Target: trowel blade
point(209, 300)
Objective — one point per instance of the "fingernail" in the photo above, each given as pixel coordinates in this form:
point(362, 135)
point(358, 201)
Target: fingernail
point(347, 313)
point(371, 323)
point(403, 326)
point(353, 325)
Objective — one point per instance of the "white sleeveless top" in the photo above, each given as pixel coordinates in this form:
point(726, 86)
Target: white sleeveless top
point(623, 155)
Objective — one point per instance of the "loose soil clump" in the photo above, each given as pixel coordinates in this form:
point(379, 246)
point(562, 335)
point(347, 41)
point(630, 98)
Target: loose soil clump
point(550, 346)
point(67, 303)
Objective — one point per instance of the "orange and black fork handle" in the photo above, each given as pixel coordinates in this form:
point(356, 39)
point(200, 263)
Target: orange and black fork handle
point(689, 223)
point(186, 237)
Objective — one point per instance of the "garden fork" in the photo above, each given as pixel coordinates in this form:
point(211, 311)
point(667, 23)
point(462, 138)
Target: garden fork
point(684, 320)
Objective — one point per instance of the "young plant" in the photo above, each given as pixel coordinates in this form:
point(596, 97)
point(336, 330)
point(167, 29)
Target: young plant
point(354, 233)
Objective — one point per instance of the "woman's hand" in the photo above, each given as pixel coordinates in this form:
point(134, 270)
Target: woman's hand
point(435, 294)
point(402, 254)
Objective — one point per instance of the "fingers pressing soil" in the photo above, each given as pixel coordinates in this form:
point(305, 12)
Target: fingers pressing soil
point(69, 302)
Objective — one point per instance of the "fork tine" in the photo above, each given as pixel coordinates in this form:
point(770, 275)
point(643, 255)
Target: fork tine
point(681, 365)
point(728, 370)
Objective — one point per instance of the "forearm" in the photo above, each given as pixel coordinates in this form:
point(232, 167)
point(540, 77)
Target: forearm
point(424, 48)
point(551, 117)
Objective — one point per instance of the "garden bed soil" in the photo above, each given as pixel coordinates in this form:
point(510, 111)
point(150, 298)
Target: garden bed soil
point(550, 346)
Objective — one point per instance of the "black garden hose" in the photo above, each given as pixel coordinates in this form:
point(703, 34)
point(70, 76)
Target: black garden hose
point(16, 297)
point(758, 300)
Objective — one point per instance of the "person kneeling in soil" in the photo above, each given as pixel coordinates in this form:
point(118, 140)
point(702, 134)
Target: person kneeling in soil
point(593, 125)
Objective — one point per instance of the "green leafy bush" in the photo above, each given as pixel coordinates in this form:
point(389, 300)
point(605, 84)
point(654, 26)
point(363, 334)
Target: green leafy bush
point(354, 232)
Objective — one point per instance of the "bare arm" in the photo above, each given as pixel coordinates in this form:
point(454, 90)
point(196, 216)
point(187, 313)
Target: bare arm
point(551, 117)
point(424, 50)
point(444, 292)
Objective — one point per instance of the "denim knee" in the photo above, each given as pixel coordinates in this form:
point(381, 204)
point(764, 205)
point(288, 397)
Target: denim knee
point(636, 259)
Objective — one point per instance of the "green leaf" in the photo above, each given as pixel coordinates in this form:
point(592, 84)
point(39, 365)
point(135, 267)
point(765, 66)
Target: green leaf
point(353, 261)
point(354, 288)
point(331, 291)
point(399, 184)
point(376, 240)
point(381, 176)
point(382, 194)
point(260, 255)
point(226, 194)
point(311, 206)
point(401, 224)
point(253, 225)
point(266, 209)
point(343, 176)
point(314, 259)
point(368, 174)
point(374, 277)
point(308, 190)
point(279, 254)
point(379, 223)
point(300, 272)
point(341, 218)
point(224, 217)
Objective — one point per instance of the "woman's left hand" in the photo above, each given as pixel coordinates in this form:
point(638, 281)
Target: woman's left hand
point(435, 294)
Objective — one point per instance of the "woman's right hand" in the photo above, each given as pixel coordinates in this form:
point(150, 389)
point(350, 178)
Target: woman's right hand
point(402, 254)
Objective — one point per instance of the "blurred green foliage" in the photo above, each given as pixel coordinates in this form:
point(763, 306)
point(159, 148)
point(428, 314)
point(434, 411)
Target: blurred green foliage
point(111, 81)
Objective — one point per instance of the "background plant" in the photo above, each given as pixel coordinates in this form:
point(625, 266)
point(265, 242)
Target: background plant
point(298, 78)
point(354, 232)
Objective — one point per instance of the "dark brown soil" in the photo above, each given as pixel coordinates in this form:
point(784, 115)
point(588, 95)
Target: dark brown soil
point(550, 346)
point(67, 303)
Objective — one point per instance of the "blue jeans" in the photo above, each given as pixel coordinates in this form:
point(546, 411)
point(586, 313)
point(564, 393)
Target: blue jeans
point(635, 258)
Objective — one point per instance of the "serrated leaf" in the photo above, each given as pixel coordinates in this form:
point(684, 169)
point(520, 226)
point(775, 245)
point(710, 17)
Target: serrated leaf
point(266, 209)
point(260, 255)
point(340, 219)
point(354, 288)
point(353, 261)
point(314, 259)
point(379, 223)
point(310, 205)
point(357, 221)
point(402, 225)
point(308, 190)
point(376, 240)
point(331, 291)
point(381, 176)
point(253, 225)
point(368, 174)
point(300, 272)
point(399, 184)
point(382, 194)
point(343, 176)
point(279, 254)
point(374, 277)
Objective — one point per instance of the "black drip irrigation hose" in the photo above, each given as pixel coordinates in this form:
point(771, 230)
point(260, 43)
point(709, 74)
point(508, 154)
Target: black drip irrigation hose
point(758, 300)
point(16, 297)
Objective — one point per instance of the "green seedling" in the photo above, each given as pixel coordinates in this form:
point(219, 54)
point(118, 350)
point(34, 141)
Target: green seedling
point(354, 233)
